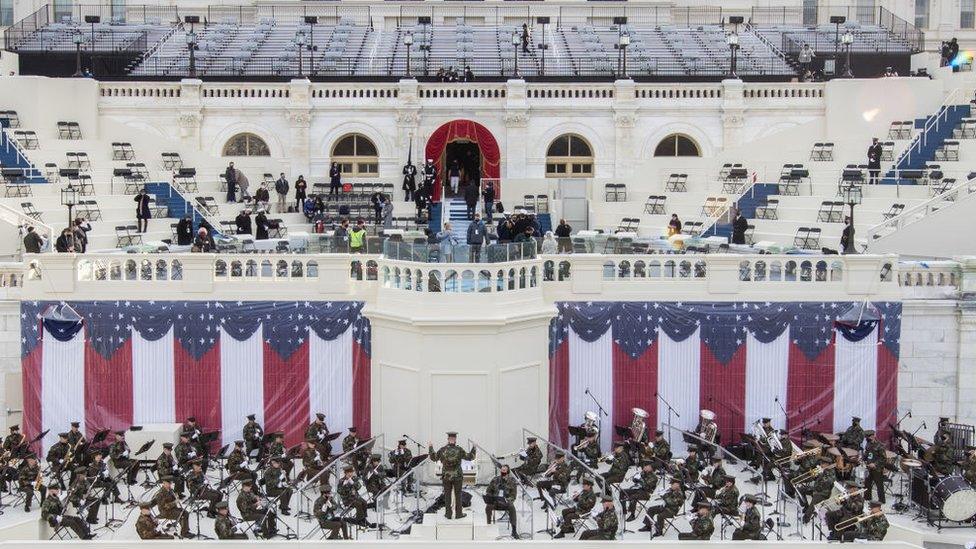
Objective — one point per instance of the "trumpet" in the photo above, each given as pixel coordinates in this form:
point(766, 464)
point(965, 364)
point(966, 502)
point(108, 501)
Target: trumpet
point(797, 456)
point(581, 445)
point(854, 521)
point(551, 469)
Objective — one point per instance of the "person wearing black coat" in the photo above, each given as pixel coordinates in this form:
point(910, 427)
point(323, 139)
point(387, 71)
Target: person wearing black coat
point(184, 231)
point(409, 181)
point(874, 161)
point(32, 241)
point(65, 242)
point(230, 175)
point(471, 198)
point(261, 223)
point(335, 181)
point(847, 237)
point(562, 232)
point(488, 195)
point(376, 199)
point(143, 215)
point(243, 222)
point(300, 187)
point(739, 227)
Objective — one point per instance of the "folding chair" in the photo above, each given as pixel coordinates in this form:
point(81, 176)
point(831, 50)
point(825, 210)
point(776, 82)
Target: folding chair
point(768, 210)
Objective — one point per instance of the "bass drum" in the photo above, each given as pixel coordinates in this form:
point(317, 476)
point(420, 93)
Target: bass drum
point(955, 498)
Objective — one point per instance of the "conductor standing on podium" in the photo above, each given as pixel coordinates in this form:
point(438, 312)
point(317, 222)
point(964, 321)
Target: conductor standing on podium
point(450, 456)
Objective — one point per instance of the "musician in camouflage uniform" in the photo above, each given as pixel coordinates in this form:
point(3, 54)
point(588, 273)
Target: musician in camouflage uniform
point(119, 453)
point(591, 452)
point(316, 432)
point(75, 435)
point(348, 491)
point(253, 434)
point(500, 496)
point(312, 464)
point(146, 525)
point(874, 528)
point(358, 458)
point(167, 504)
point(224, 525)
point(751, 521)
point(14, 440)
point(103, 479)
point(56, 458)
point(82, 497)
point(532, 459)
point(452, 477)
point(251, 510)
point(661, 449)
point(324, 510)
point(585, 500)
point(185, 451)
point(852, 506)
point(619, 463)
point(821, 488)
point(52, 511)
point(674, 499)
point(557, 475)
point(943, 456)
point(702, 525)
point(375, 476)
point(276, 485)
point(645, 482)
point(400, 459)
point(691, 468)
point(27, 479)
point(196, 482)
point(969, 468)
point(166, 466)
point(853, 437)
point(278, 450)
point(727, 498)
point(606, 522)
point(875, 461)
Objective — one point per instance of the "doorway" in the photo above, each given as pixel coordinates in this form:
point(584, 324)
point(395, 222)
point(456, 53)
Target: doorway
point(466, 155)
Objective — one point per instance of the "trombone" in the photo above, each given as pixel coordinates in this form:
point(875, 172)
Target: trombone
point(854, 521)
point(812, 473)
point(843, 497)
point(798, 456)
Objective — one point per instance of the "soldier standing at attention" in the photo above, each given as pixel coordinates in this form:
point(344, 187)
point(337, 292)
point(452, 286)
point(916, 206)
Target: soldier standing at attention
point(702, 526)
point(450, 456)
point(500, 496)
point(606, 522)
point(224, 525)
point(875, 461)
point(253, 433)
point(146, 525)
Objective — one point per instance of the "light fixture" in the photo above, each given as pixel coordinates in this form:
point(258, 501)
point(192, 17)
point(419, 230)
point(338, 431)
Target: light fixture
point(848, 38)
point(624, 40)
point(732, 39)
point(300, 38)
point(852, 194)
point(408, 39)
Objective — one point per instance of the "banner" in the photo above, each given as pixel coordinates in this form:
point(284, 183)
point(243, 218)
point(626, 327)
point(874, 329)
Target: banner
point(115, 364)
point(742, 360)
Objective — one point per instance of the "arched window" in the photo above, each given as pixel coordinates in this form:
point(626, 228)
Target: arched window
point(246, 144)
point(677, 145)
point(569, 156)
point(356, 156)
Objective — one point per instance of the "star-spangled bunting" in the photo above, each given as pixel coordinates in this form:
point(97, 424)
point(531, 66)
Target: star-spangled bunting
point(197, 324)
point(724, 326)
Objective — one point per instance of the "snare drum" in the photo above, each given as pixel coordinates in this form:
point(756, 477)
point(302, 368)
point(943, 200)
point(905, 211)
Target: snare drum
point(955, 498)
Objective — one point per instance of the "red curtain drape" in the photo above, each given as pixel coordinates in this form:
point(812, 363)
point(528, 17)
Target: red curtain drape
point(468, 130)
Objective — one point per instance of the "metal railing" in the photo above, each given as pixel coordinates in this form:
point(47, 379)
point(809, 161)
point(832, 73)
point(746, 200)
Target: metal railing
point(26, 26)
point(446, 252)
point(956, 194)
point(921, 138)
point(902, 29)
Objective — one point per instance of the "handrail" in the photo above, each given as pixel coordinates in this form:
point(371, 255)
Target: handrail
point(162, 40)
point(712, 220)
point(921, 139)
point(20, 219)
point(11, 143)
point(911, 215)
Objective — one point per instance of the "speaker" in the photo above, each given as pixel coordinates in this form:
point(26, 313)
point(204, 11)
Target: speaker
point(619, 20)
point(311, 20)
point(423, 20)
point(192, 19)
point(92, 19)
point(542, 20)
point(736, 19)
point(837, 19)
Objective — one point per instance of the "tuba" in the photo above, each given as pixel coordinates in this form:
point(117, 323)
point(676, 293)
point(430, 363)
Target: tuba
point(709, 429)
point(638, 427)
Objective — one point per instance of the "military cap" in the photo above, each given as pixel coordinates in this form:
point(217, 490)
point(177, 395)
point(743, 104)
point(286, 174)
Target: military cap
point(850, 484)
point(560, 455)
point(275, 459)
point(530, 439)
point(375, 457)
point(31, 455)
point(80, 470)
point(142, 504)
point(196, 461)
point(716, 459)
point(675, 480)
point(251, 417)
point(658, 432)
point(168, 445)
point(247, 482)
point(827, 458)
point(120, 433)
point(166, 478)
point(352, 429)
point(704, 504)
point(75, 424)
point(943, 420)
point(606, 498)
point(451, 434)
point(184, 435)
point(53, 486)
point(402, 442)
point(320, 416)
point(874, 505)
point(14, 428)
point(729, 478)
point(588, 481)
point(869, 433)
point(62, 435)
point(348, 469)
point(750, 498)
point(191, 419)
point(325, 488)
point(618, 444)
point(278, 434)
point(221, 505)
point(647, 463)
point(855, 419)
point(238, 443)
point(766, 420)
point(692, 448)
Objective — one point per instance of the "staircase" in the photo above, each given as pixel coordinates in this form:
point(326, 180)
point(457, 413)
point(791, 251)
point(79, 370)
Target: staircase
point(935, 130)
point(457, 214)
point(747, 203)
point(177, 205)
point(434, 224)
point(545, 222)
point(12, 157)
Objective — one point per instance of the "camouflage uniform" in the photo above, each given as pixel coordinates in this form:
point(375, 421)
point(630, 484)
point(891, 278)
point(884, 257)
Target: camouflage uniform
point(702, 528)
point(450, 456)
point(500, 496)
point(585, 501)
point(606, 526)
point(147, 528)
point(673, 500)
point(751, 526)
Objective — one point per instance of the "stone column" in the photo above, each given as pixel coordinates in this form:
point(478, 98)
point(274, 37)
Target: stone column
point(298, 151)
point(191, 112)
point(408, 123)
point(624, 121)
point(733, 113)
point(516, 118)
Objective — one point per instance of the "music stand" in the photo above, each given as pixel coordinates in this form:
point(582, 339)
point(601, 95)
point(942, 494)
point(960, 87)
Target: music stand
point(100, 436)
point(142, 450)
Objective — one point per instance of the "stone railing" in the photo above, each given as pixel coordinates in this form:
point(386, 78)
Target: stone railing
point(930, 279)
point(691, 276)
point(460, 277)
point(148, 90)
point(785, 90)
